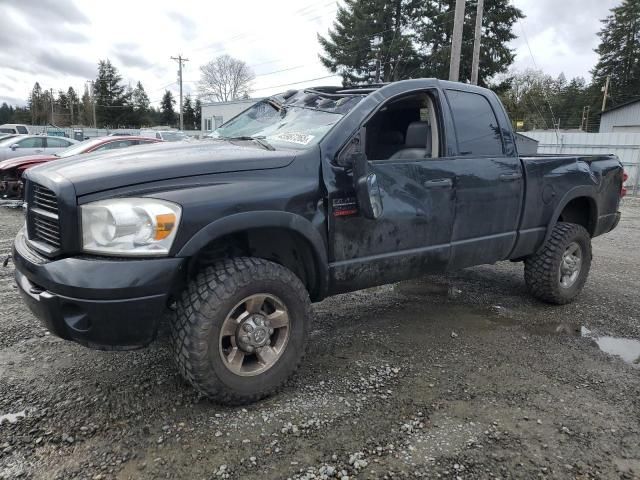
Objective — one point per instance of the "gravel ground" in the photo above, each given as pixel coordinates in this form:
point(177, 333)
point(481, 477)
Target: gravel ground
point(457, 377)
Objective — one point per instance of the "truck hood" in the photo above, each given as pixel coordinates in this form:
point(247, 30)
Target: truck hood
point(149, 163)
point(26, 160)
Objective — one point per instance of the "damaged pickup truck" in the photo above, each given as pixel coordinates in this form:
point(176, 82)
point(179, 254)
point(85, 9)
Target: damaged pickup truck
point(304, 195)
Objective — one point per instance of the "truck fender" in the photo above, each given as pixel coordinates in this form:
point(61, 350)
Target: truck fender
point(263, 219)
point(587, 191)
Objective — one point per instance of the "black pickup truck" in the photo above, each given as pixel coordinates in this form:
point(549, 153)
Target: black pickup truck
point(304, 195)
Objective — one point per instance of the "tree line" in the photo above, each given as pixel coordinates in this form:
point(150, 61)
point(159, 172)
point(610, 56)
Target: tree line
point(374, 41)
point(116, 105)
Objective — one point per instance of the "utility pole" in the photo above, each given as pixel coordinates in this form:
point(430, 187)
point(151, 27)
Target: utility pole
point(51, 98)
point(476, 43)
point(456, 42)
point(71, 108)
point(606, 92)
point(93, 104)
point(584, 124)
point(180, 61)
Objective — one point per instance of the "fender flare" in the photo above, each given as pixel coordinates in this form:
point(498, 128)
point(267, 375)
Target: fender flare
point(586, 191)
point(264, 219)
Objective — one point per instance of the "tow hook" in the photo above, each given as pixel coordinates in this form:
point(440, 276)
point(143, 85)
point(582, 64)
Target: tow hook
point(5, 262)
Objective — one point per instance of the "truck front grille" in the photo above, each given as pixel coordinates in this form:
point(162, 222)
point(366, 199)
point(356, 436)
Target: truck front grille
point(42, 218)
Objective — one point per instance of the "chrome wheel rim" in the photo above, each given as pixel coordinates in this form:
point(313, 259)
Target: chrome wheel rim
point(570, 265)
point(254, 334)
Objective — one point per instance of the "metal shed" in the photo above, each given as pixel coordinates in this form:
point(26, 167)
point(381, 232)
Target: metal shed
point(624, 118)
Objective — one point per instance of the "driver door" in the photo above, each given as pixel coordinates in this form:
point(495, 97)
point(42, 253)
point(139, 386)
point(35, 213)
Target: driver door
point(413, 234)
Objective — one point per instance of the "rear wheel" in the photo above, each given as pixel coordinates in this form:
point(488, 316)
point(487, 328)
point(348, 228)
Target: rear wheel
point(240, 328)
point(559, 271)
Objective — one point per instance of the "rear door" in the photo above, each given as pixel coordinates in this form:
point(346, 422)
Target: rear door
point(489, 182)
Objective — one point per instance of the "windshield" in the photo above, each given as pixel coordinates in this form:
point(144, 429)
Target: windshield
point(79, 148)
point(173, 136)
point(295, 120)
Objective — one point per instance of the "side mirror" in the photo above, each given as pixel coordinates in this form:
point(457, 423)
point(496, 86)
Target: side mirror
point(14, 146)
point(369, 197)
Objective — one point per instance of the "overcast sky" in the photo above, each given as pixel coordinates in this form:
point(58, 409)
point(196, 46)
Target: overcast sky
point(59, 42)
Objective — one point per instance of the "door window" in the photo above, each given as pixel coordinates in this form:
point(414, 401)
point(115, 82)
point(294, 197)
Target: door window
point(57, 143)
point(403, 129)
point(476, 124)
point(33, 142)
point(22, 130)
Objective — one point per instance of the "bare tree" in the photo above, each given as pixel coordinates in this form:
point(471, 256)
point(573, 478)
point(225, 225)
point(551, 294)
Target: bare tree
point(225, 78)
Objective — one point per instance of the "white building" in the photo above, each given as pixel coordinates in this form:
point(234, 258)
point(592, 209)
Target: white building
point(215, 114)
point(624, 118)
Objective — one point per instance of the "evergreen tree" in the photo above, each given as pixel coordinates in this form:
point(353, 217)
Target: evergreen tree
point(72, 97)
point(168, 116)
point(63, 116)
point(189, 114)
point(398, 39)
point(197, 114)
point(109, 95)
point(87, 108)
point(140, 102)
point(434, 34)
point(6, 113)
point(36, 105)
point(619, 52)
point(371, 41)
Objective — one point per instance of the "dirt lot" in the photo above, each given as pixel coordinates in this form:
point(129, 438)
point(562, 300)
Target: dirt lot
point(458, 377)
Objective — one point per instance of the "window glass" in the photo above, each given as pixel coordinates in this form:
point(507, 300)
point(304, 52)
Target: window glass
point(22, 129)
point(33, 142)
point(476, 125)
point(114, 145)
point(57, 143)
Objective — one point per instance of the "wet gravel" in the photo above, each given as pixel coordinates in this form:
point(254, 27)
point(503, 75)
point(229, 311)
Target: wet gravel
point(462, 376)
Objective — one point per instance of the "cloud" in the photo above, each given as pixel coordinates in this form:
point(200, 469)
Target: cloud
point(188, 26)
point(129, 56)
point(57, 62)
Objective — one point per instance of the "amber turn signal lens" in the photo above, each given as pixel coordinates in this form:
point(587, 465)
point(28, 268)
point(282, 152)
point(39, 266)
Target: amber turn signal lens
point(165, 224)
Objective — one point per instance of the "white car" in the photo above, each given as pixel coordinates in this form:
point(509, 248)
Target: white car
point(32, 145)
point(15, 128)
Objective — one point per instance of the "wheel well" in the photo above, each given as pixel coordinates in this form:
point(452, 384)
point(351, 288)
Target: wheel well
point(279, 245)
point(581, 211)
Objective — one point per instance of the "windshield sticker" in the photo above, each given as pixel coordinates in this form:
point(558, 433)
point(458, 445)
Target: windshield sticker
point(294, 137)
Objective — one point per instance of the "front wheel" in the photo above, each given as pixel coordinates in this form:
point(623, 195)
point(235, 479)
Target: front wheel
point(559, 271)
point(240, 328)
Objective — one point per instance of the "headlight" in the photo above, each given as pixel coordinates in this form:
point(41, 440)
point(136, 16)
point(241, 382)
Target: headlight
point(129, 226)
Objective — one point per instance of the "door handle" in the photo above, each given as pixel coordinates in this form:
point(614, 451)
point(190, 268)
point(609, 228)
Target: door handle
point(510, 177)
point(439, 183)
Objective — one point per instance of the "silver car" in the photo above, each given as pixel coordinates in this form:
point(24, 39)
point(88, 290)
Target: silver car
point(22, 145)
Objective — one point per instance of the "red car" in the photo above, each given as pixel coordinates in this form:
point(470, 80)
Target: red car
point(11, 170)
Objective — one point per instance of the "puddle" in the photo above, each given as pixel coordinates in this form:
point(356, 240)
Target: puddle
point(427, 286)
point(628, 349)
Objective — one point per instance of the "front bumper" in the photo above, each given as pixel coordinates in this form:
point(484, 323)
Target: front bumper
point(108, 304)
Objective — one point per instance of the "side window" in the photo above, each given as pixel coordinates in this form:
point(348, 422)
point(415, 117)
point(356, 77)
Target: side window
point(476, 124)
point(33, 142)
point(22, 130)
point(57, 143)
point(403, 129)
point(158, 136)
